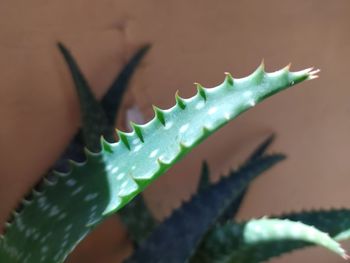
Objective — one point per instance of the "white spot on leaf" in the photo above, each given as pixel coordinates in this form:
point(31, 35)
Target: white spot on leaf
point(137, 148)
point(71, 182)
point(115, 169)
point(212, 110)
point(120, 176)
point(199, 105)
point(184, 128)
point(153, 153)
point(78, 190)
point(168, 125)
point(90, 197)
point(54, 211)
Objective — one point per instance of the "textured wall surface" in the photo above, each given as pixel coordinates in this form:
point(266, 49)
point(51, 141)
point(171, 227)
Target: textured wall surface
point(192, 41)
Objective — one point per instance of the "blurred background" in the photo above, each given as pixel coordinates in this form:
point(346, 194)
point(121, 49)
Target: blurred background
point(191, 41)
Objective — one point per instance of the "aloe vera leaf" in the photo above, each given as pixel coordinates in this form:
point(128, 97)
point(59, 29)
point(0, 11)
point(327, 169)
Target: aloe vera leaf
point(232, 210)
point(176, 239)
point(224, 241)
point(58, 218)
point(106, 112)
point(113, 98)
point(110, 103)
point(139, 229)
point(140, 222)
point(93, 116)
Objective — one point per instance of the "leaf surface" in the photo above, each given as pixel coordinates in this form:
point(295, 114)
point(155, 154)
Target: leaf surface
point(177, 238)
point(65, 211)
point(225, 244)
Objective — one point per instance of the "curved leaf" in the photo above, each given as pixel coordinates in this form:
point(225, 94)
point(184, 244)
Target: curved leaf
point(58, 218)
point(176, 239)
point(257, 153)
point(225, 241)
point(107, 108)
point(94, 119)
point(140, 222)
point(113, 98)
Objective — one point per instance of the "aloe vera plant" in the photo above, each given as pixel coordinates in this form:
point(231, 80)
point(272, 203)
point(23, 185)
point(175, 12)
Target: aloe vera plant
point(207, 233)
point(192, 221)
point(66, 209)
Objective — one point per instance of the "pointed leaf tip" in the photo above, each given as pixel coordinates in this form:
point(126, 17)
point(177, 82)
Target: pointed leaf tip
point(262, 148)
point(305, 72)
point(265, 229)
point(299, 76)
point(62, 48)
point(313, 74)
point(346, 256)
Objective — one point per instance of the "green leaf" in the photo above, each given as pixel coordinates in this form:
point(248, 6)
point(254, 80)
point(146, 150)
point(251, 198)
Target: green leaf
point(192, 221)
point(91, 109)
point(94, 120)
point(110, 104)
point(140, 222)
point(224, 241)
point(113, 98)
point(232, 210)
point(271, 230)
point(58, 218)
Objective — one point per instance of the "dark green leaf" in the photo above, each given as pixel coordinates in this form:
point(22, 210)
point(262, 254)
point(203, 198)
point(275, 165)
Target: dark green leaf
point(112, 100)
point(94, 119)
point(232, 210)
point(177, 238)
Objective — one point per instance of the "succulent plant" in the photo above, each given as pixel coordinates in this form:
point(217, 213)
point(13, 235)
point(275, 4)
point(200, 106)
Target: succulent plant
point(208, 232)
point(69, 204)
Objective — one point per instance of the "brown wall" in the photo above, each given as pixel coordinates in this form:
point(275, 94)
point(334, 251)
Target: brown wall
point(192, 41)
